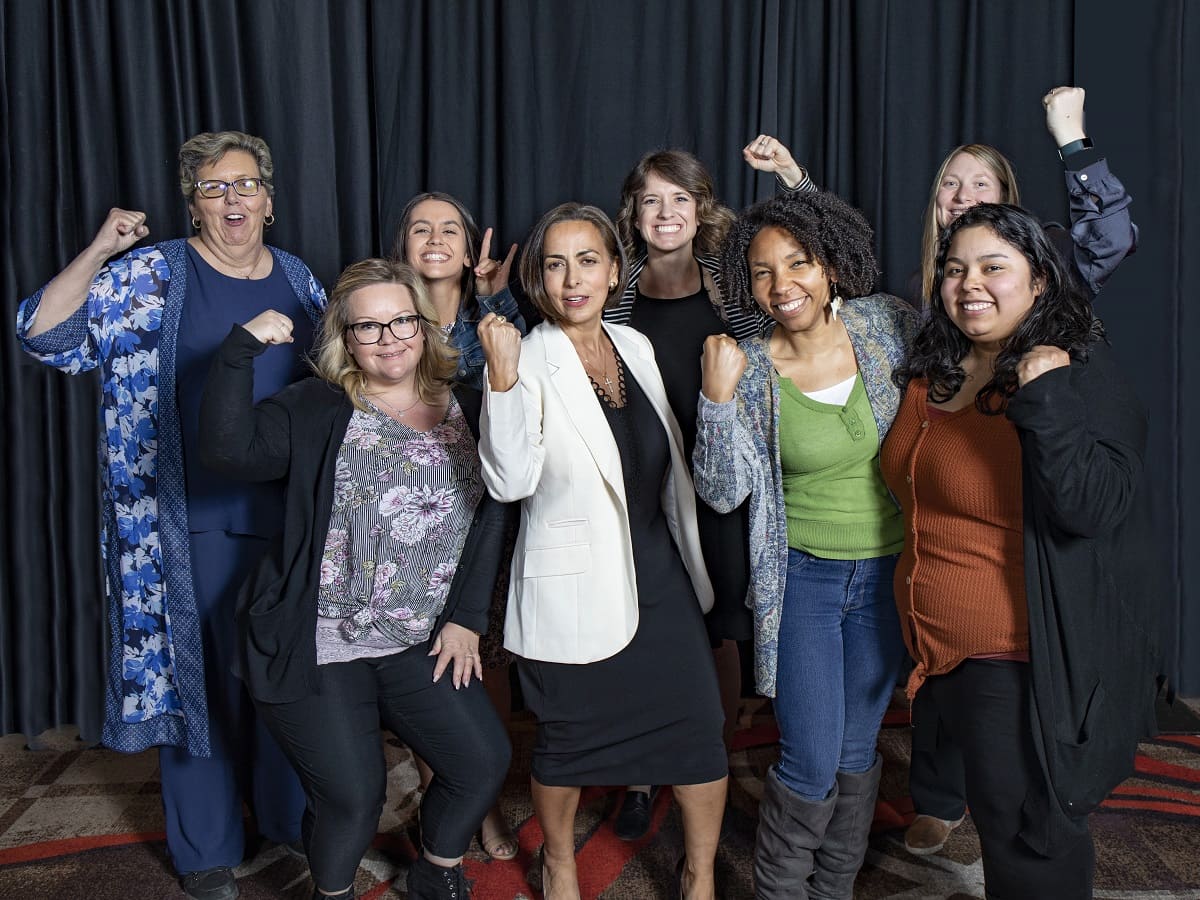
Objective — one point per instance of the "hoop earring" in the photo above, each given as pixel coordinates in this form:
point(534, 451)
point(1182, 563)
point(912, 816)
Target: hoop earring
point(835, 302)
point(195, 223)
point(269, 220)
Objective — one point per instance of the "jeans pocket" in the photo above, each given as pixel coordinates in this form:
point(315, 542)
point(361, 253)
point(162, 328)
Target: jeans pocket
point(798, 560)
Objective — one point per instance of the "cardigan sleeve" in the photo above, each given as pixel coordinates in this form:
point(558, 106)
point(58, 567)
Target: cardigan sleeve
point(724, 454)
point(237, 438)
point(1083, 436)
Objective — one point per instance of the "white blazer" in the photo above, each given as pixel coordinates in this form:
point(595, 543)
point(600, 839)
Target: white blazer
point(572, 594)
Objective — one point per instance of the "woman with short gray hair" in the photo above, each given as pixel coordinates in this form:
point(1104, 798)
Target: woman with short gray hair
point(177, 538)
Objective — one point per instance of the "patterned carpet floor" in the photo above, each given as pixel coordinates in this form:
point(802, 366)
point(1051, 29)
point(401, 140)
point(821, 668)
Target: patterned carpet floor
point(80, 822)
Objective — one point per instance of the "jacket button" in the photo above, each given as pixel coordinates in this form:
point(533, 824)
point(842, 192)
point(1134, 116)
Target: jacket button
point(908, 579)
point(925, 424)
point(908, 478)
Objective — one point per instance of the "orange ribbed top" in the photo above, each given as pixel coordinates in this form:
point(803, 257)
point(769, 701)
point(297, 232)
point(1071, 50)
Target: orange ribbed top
point(960, 581)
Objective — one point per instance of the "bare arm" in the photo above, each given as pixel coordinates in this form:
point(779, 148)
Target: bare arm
point(63, 295)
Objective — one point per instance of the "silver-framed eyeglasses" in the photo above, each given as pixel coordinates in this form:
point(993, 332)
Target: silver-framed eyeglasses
point(244, 187)
point(403, 328)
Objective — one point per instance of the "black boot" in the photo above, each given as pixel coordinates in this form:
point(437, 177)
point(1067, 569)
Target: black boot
point(790, 830)
point(844, 847)
point(427, 881)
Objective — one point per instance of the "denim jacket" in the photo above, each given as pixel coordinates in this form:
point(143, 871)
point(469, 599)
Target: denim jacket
point(465, 337)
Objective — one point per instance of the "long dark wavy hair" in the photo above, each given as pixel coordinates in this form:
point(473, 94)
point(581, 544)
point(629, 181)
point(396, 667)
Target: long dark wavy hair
point(1061, 315)
point(831, 230)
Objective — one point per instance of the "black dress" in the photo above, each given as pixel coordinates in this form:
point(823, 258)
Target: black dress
point(677, 330)
point(651, 714)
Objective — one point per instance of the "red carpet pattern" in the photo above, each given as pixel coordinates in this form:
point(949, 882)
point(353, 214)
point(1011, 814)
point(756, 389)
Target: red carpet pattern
point(78, 823)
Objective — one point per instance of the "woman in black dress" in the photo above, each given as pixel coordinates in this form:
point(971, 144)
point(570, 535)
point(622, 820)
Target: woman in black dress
point(608, 583)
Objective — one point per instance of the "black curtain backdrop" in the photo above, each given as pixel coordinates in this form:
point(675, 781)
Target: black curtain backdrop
point(515, 106)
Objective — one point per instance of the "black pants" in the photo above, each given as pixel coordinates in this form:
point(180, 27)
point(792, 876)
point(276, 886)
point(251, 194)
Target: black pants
point(935, 772)
point(333, 739)
point(984, 707)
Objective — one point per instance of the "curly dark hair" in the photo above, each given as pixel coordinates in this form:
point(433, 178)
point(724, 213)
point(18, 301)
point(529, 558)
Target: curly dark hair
point(826, 226)
point(1061, 315)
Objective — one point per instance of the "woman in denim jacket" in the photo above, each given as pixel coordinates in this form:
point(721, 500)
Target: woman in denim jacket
point(438, 237)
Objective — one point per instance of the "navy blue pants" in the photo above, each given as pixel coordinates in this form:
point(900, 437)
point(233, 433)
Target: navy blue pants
point(202, 797)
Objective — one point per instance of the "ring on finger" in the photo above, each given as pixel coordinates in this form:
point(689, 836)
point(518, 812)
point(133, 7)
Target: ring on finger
point(501, 319)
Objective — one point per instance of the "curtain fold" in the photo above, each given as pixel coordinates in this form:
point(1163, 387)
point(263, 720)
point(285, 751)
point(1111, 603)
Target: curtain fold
point(515, 106)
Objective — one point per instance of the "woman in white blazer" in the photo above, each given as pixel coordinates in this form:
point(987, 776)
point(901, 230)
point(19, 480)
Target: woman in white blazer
point(608, 584)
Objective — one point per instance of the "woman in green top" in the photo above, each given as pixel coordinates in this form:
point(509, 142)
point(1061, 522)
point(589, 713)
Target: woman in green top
point(794, 421)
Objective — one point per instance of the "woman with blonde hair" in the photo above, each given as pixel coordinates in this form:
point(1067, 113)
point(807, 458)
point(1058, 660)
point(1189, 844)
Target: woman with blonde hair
point(367, 612)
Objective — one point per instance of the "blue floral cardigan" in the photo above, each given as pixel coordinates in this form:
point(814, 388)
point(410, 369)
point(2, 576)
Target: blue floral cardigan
point(127, 329)
point(737, 452)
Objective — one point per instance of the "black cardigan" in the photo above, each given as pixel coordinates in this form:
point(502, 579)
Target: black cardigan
point(1090, 567)
point(296, 435)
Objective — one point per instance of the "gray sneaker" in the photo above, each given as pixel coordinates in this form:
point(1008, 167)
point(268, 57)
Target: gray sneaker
point(211, 884)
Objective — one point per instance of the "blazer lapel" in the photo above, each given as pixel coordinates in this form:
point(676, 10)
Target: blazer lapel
point(575, 392)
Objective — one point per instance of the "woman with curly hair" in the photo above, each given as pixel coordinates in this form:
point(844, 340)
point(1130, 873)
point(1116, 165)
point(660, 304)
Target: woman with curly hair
point(1017, 457)
point(794, 421)
point(671, 226)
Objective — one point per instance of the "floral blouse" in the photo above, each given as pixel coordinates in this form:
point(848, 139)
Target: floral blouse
point(403, 501)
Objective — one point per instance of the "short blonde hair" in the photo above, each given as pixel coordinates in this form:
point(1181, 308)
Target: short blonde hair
point(208, 147)
point(535, 249)
point(336, 364)
point(1003, 172)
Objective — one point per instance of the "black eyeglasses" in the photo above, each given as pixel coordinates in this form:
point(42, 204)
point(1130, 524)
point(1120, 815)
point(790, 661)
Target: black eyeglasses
point(403, 328)
point(243, 187)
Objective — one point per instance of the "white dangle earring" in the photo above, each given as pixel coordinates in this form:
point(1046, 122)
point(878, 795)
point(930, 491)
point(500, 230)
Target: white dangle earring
point(835, 302)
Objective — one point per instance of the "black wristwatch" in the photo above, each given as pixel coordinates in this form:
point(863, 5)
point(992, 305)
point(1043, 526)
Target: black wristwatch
point(1084, 143)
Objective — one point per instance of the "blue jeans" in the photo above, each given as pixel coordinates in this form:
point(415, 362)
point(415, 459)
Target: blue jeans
point(839, 657)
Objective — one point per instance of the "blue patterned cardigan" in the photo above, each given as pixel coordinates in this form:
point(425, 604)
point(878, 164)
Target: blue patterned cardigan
point(737, 452)
point(127, 328)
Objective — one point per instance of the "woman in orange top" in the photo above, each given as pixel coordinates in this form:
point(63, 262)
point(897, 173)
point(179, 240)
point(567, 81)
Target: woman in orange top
point(1016, 457)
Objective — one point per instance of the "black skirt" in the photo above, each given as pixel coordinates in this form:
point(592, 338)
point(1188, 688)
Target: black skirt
point(651, 714)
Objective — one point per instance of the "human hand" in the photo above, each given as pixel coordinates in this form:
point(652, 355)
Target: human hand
point(768, 154)
point(458, 647)
point(271, 327)
point(121, 230)
point(1064, 114)
point(501, 343)
point(491, 277)
point(721, 366)
point(1040, 360)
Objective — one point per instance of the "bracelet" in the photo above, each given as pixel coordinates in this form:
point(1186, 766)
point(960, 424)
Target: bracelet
point(1084, 143)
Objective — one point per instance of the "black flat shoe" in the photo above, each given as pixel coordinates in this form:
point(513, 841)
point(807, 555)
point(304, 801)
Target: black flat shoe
point(633, 821)
point(211, 884)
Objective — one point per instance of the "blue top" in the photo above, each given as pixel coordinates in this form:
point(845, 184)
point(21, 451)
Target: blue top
point(215, 302)
point(128, 330)
point(465, 337)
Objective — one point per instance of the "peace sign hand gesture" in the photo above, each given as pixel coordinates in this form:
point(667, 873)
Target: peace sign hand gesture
point(491, 277)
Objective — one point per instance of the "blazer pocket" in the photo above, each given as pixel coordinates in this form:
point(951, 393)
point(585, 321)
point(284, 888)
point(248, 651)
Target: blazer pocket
point(573, 559)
